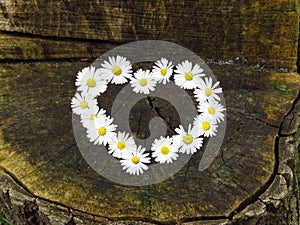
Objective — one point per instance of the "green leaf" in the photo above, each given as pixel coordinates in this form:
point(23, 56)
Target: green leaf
point(4, 221)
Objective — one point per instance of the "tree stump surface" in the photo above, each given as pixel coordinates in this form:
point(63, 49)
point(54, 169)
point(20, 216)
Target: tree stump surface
point(251, 46)
point(39, 152)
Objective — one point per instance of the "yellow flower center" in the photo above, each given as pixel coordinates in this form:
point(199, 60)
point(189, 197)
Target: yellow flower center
point(135, 159)
point(121, 145)
point(164, 150)
point(84, 104)
point(163, 71)
point(102, 131)
point(93, 117)
point(208, 91)
point(188, 139)
point(205, 125)
point(91, 82)
point(211, 110)
point(143, 82)
point(116, 70)
point(188, 76)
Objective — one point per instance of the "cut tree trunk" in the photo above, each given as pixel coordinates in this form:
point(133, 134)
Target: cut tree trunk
point(254, 171)
point(251, 46)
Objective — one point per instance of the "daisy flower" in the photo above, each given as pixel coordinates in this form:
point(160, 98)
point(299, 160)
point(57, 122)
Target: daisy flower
point(164, 150)
point(206, 126)
point(135, 161)
point(187, 74)
point(82, 102)
point(102, 132)
point(206, 90)
point(212, 108)
point(162, 70)
point(121, 143)
point(116, 69)
point(89, 80)
point(88, 117)
point(188, 142)
point(143, 82)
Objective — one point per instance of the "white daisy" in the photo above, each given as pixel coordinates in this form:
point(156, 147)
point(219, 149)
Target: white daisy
point(143, 82)
point(117, 70)
point(135, 161)
point(82, 102)
point(121, 143)
point(89, 116)
point(187, 75)
point(102, 132)
point(89, 80)
point(162, 70)
point(206, 90)
point(164, 150)
point(206, 126)
point(212, 108)
point(187, 142)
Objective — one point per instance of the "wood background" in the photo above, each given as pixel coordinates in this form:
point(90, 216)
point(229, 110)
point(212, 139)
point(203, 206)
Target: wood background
point(258, 32)
point(251, 46)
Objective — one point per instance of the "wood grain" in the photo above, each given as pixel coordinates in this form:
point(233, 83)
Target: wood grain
point(258, 32)
point(38, 147)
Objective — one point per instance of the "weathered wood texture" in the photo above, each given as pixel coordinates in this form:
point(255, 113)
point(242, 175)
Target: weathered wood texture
point(279, 204)
point(18, 47)
point(45, 180)
point(22, 208)
point(261, 32)
point(38, 148)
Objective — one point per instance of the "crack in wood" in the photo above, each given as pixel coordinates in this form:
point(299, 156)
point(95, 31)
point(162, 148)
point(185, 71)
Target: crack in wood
point(257, 195)
point(242, 206)
point(248, 116)
point(197, 218)
point(156, 110)
point(49, 160)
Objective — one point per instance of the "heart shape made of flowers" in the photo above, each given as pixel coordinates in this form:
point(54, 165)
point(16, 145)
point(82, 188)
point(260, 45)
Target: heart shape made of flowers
point(91, 82)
